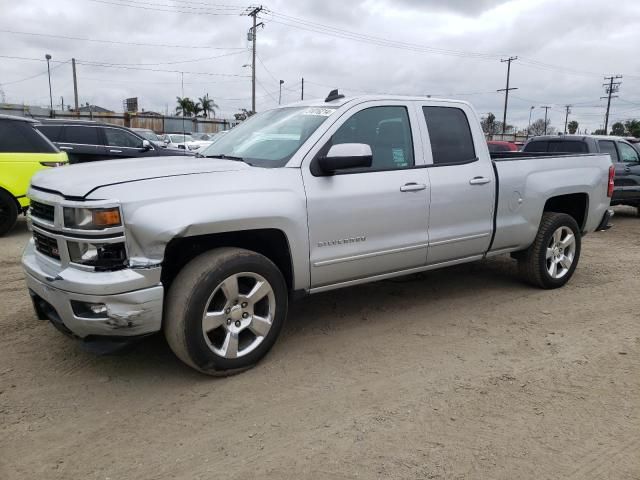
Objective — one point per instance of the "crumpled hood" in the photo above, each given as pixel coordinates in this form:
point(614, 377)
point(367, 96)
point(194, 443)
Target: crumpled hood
point(80, 179)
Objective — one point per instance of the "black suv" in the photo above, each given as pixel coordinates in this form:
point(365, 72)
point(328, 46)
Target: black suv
point(87, 141)
point(625, 158)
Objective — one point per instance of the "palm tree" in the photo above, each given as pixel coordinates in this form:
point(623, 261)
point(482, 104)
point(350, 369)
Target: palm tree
point(185, 106)
point(208, 105)
point(196, 108)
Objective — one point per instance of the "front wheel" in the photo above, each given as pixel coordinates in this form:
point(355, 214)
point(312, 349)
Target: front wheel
point(8, 212)
point(552, 258)
point(225, 310)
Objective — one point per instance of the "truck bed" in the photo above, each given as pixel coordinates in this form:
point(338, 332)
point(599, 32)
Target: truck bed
point(523, 187)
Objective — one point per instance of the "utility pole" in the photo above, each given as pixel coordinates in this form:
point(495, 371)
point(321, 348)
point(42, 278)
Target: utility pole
point(610, 88)
point(75, 84)
point(302, 94)
point(280, 95)
point(566, 117)
point(506, 92)
point(529, 125)
point(48, 57)
point(62, 104)
point(254, 30)
point(546, 123)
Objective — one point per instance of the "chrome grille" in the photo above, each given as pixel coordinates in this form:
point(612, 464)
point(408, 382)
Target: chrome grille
point(46, 245)
point(42, 210)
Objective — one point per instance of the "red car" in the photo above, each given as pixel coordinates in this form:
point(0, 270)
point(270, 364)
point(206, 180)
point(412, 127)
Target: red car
point(498, 146)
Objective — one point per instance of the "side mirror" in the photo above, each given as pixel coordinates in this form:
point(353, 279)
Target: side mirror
point(346, 155)
point(146, 144)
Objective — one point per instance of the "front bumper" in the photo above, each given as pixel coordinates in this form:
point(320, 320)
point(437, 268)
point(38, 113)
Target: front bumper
point(129, 312)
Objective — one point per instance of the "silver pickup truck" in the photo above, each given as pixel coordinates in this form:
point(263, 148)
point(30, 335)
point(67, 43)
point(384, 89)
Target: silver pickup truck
point(300, 199)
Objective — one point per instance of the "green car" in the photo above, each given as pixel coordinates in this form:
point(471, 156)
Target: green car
point(23, 151)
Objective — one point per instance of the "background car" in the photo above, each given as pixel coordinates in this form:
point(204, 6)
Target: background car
point(150, 135)
point(23, 151)
point(178, 141)
point(87, 141)
point(625, 158)
point(500, 146)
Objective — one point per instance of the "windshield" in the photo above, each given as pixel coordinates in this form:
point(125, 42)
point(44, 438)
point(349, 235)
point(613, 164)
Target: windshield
point(148, 134)
point(181, 138)
point(270, 139)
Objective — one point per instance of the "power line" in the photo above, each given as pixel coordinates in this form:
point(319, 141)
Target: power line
point(36, 75)
point(168, 7)
point(116, 42)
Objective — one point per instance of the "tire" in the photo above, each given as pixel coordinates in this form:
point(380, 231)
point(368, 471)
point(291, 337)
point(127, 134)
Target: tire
point(535, 268)
point(8, 212)
point(250, 322)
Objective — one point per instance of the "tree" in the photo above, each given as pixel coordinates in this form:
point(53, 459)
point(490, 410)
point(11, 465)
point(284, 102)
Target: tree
point(537, 128)
point(600, 131)
point(208, 106)
point(185, 106)
point(488, 123)
point(196, 109)
point(632, 128)
point(618, 129)
point(572, 126)
point(243, 114)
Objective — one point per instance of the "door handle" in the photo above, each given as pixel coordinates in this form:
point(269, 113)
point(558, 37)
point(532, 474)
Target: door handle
point(412, 187)
point(479, 180)
point(627, 169)
point(115, 151)
point(61, 147)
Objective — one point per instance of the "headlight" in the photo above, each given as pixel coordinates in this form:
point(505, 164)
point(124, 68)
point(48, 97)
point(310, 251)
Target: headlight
point(53, 164)
point(102, 256)
point(92, 218)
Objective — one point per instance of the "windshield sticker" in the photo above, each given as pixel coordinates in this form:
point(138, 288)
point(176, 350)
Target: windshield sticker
point(318, 111)
point(398, 157)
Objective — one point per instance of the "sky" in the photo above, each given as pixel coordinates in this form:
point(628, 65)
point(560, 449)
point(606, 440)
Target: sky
point(452, 49)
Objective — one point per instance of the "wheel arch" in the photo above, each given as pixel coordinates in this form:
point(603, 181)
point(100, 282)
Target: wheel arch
point(575, 205)
point(270, 242)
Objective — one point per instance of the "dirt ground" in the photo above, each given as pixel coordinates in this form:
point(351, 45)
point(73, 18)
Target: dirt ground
point(459, 373)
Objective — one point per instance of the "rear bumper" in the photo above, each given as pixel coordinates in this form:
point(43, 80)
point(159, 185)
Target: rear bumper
point(604, 223)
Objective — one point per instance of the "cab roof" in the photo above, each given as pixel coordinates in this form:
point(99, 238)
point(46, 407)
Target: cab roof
point(17, 118)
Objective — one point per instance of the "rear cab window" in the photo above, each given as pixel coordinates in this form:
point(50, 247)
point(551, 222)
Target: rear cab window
point(536, 146)
point(450, 135)
point(567, 146)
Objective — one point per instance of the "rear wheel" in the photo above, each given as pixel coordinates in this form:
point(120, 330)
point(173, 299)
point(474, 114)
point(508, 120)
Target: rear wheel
point(8, 212)
point(553, 257)
point(225, 310)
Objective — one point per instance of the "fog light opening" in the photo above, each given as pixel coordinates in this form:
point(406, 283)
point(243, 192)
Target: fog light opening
point(89, 310)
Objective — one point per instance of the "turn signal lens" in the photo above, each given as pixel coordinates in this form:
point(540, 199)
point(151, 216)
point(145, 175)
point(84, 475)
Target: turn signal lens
point(107, 217)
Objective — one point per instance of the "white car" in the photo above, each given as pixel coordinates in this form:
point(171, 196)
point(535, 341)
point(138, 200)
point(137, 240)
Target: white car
point(180, 141)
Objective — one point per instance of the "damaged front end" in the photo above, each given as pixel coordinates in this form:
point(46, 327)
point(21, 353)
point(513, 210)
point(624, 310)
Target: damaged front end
point(79, 274)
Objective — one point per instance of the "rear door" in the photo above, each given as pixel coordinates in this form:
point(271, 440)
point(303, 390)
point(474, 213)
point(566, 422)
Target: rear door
point(120, 143)
point(630, 167)
point(81, 142)
point(462, 183)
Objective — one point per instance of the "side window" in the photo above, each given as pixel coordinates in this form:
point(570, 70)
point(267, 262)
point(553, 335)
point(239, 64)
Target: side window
point(386, 130)
point(22, 137)
point(450, 135)
point(120, 138)
point(608, 146)
point(80, 134)
point(52, 132)
point(628, 153)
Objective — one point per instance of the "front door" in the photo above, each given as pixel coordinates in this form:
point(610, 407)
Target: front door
point(629, 169)
point(462, 184)
point(369, 221)
point(119, 143)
